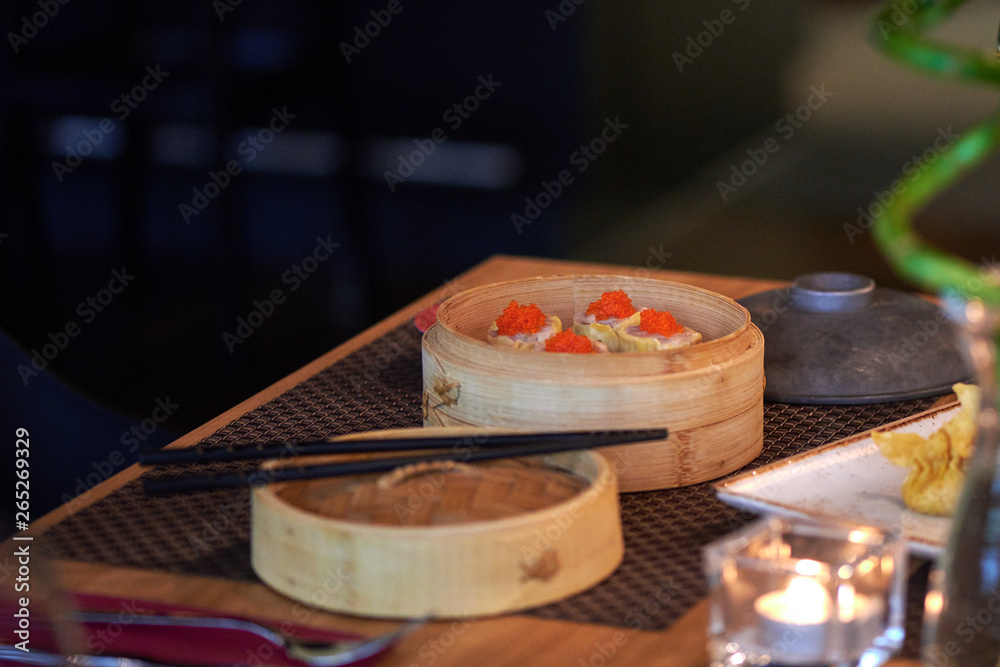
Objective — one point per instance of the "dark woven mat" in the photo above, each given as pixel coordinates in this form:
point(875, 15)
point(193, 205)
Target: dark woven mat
point(379, 387)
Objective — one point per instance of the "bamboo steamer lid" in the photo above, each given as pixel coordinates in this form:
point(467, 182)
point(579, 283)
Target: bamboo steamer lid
point(445, 540)
point(709, 396)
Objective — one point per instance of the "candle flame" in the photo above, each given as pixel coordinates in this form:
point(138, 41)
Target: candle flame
point(888, 565)
point(729, 572)
point(808, 568)
point(858, 536)
point(805, 600)
point(845, 603)
point(933, 603)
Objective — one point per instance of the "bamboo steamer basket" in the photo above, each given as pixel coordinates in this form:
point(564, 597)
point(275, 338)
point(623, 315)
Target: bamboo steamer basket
point(440, 540)
point(709, 396)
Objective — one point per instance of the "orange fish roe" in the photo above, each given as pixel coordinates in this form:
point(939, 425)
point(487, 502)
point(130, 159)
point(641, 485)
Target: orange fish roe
point(659, 322)
point(567, 341)
point(615, 304)
point(517, 319)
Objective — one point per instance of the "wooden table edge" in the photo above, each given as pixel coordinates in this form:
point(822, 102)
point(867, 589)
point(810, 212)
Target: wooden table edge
point(561, 642)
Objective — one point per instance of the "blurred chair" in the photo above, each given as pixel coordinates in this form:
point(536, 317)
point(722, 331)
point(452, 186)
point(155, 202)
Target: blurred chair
point(74, 442)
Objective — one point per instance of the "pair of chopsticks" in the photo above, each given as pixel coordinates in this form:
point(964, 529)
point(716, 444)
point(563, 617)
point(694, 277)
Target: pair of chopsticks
point(464, 448)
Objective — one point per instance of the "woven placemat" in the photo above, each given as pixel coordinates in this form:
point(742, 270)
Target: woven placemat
point(379, 387)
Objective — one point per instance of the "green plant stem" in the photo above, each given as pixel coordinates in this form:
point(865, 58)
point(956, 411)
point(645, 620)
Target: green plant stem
point(898, 30)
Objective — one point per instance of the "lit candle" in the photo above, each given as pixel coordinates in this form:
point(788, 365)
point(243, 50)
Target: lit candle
point(803, 622)
point(793, 620)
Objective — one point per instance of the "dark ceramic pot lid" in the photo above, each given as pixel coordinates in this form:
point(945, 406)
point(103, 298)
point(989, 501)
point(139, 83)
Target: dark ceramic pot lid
point(834, 338)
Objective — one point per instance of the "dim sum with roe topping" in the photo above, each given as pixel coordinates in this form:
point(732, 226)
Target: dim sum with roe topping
point(651, 329)
point(568, 341)
point(523, 328)
point(598, 322)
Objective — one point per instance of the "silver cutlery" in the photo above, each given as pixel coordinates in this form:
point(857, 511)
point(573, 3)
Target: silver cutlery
point(45, 659)
point(318, 654)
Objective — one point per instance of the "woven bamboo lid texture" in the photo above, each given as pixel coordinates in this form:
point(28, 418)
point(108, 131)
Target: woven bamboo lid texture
point(446, 539)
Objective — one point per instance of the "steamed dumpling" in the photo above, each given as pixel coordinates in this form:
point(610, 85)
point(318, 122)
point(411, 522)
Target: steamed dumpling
point(523, 328)
point(651, 329)
point(598, 322)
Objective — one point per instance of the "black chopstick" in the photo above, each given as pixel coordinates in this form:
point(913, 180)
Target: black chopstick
point(205, 482)
point(283, 449)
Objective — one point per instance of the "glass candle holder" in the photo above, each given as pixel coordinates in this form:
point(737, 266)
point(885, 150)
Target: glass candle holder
point(791, 592)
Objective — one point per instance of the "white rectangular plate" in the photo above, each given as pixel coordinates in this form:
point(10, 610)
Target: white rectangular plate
point(846, 480)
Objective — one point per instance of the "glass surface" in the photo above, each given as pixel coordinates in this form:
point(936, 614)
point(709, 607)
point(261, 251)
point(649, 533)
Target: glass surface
point(787, 592)
point(962, 609)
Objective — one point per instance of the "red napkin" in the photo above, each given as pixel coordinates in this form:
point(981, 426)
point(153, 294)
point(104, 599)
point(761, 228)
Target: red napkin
point(426, 317)
point(176, 645)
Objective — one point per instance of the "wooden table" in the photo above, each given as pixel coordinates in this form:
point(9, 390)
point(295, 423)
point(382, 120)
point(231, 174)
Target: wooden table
point(508, 640)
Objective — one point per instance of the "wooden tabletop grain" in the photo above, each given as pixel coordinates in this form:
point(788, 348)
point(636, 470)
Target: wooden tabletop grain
point(512, 640)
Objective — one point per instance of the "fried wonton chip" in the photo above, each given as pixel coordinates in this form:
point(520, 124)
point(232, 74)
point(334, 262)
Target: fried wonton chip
point(937, 461)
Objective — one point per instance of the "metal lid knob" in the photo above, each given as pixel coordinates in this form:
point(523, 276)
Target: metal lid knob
point(832, 292)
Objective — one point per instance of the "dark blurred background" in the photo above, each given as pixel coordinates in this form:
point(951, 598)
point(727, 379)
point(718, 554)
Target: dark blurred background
point(167, 168)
